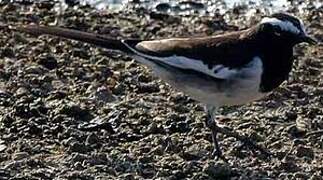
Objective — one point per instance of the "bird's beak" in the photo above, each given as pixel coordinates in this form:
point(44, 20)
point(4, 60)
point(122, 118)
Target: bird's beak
point(308, 39)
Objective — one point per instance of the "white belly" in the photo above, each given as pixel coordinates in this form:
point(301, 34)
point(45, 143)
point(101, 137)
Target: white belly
point(238, 94)
point(240, 86)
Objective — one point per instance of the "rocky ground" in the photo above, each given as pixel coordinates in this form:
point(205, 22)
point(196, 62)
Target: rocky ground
point(73, 111)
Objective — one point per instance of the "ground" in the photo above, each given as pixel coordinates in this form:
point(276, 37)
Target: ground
point(70, 110)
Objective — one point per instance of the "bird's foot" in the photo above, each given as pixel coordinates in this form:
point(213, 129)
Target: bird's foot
point(246, 141)
point(253, 146)
point(217, 154)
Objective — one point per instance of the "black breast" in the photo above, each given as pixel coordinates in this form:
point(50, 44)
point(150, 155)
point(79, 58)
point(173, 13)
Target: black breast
point(277, 64)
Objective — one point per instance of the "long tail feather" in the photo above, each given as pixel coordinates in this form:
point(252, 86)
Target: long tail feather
point(92, 38)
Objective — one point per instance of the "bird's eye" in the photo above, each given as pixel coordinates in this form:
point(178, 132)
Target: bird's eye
point(277, 30)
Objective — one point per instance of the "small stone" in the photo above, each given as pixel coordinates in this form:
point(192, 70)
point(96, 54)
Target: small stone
point(189, 156)
point(97, 124)
point(218, 171)
point(158, 150)
point(19, 156)
point(153, 128)
point(4, 94)
point(2, 147)
point(119, 89)
point(290, 115)
point(77, 175)
point(164, 7)
point(104, 94)
point(48, 62)
point(148, 88)
point(34, 70)
point(127, 176)
point(58, 94)
point(7, 120)
point(7, 52)
point(164, 17)
point(315, 177)
point(81, 53)
point(22, 91)
point(77, 157)
point(72, 2)
point(47, 6)
point(34, 129)
point(300, 175)
point(144, 78)
point(180, 127)
point(78, 166)
point(303, 151)
point(70, 140)
point(294, 131)
point(289, 165)
point(76, 111)
point(303, 124)
point(99, 159)
point(92, 139)
point(78, 147)
point(5, 174)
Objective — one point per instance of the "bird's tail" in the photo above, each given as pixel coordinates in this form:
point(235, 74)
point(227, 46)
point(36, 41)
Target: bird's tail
point(92, 38)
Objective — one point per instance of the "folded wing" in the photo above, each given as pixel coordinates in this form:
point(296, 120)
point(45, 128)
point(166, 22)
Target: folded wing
point(215, 56)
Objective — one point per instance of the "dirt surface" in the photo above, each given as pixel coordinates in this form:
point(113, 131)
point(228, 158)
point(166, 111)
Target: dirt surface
point(69, 110)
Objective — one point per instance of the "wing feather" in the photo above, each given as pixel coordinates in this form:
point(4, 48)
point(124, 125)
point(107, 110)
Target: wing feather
point(218, 71)
point(217, 56)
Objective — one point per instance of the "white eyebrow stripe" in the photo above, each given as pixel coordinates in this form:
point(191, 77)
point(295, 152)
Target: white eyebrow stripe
point(284, 25)
point(303, 26)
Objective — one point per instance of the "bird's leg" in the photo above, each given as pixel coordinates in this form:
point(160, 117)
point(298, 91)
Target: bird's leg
point(245, 140)
point(210, 123)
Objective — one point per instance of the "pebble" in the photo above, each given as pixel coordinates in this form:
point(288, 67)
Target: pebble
point(218, 170)
point(96, 124)
point(20, 155)
point(303, 124)
point(48, 62)
point(2, 147)
point(148, 88)
point(78, 147)
point(302, 151)
point(154, 128)
point(74, 110)
point(104, 94)
point(5, 174)
point(77, 157)
point(92, 139)
point(164, 7)
point(289, 166)
point(99, 159)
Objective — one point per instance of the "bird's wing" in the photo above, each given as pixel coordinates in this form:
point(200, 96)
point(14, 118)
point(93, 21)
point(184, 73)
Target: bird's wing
point(216, 56)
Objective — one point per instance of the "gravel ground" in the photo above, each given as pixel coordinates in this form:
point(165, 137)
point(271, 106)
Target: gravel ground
point(73, 111)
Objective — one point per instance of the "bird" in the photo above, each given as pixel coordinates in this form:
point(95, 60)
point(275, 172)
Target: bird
point(229, 69)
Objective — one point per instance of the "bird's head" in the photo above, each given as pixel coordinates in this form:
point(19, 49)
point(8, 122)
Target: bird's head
point(285, 28)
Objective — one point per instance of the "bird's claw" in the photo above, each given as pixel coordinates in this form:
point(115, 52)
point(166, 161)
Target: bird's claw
point(254, 147)
point(216, 155)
